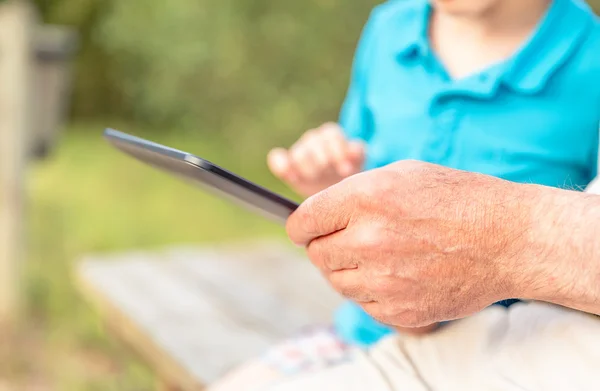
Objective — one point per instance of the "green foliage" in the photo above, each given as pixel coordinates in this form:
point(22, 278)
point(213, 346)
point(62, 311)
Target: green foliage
point(96, 91)
point(219, 66)
point(213, 65)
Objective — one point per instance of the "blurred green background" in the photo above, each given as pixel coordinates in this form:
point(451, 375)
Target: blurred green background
point(226, 79)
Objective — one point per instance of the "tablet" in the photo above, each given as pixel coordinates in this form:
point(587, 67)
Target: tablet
point(204, 173)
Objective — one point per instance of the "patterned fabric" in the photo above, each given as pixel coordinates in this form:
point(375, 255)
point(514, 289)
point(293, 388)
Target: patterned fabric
point(312, 349)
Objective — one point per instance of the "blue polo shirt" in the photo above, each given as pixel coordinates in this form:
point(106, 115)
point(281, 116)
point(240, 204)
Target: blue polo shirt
point(532, 118)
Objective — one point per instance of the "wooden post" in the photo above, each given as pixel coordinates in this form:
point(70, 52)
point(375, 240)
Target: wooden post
point(17, 21)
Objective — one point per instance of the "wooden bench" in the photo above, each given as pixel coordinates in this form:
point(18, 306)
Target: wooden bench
point(194, 313)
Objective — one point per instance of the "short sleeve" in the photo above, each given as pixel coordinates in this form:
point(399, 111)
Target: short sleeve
point(355, 117)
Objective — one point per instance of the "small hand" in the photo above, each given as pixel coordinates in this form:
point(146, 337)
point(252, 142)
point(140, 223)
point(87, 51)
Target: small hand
point(320, 158)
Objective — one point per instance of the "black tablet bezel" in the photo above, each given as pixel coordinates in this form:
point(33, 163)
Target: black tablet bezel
point(205, 173)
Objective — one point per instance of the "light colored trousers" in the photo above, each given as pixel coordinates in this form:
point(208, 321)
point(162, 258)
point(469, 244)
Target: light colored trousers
point(529, 346)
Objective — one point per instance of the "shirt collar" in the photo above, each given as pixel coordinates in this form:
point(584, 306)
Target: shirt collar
point(558, 35)
point(411, 37)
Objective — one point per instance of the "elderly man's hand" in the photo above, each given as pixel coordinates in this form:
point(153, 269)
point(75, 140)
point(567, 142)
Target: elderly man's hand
point(414, 243)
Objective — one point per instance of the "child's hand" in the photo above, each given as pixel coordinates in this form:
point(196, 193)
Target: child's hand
point(320, 158)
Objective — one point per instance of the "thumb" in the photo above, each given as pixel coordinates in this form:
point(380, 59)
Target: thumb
point(322, 214)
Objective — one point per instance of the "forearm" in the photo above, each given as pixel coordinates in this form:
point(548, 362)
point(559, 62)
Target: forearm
point(563, 258)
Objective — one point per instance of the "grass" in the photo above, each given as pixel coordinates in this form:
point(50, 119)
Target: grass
point(88, 198)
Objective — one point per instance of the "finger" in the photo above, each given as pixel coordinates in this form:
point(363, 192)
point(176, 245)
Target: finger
point(335, 256)
point(350, 284)
point(407, 318)
point(322, 158)
point(353, 160)
point(317, 145)
point(333, 252)
point(303, 161)
point(356, 155)
point(376, 310)
point(279, 163)
point(337, 148)
point(322, 214)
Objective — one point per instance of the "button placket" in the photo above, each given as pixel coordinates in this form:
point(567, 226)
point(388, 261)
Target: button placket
point(445, 119)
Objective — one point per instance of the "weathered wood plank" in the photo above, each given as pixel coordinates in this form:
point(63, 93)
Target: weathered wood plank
point(266, 285)
point(174, 320)
point(167, 368)
point(16, 34)
point(206, 310)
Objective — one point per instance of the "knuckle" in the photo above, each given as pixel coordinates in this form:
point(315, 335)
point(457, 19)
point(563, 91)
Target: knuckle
point(330, 129)
point(420, 171)
point(320, 164)
point(326, 155)
point(298, 153)
point(329, 125)
point(369, 237)
point(369, 187)
point(387, 182)
point(311, 173)
point(309, 134)
point(412, 165)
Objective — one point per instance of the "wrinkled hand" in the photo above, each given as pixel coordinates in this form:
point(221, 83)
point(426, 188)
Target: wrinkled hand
point(320, 158)
point(414, 243)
